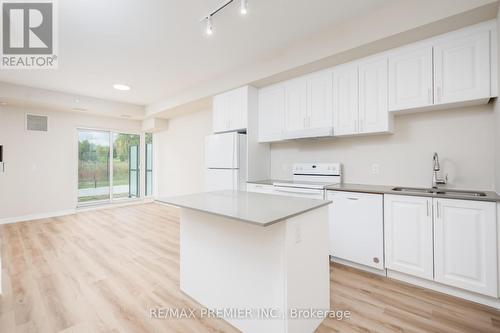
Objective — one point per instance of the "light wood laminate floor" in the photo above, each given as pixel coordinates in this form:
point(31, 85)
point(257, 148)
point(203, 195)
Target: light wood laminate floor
point(101, 271)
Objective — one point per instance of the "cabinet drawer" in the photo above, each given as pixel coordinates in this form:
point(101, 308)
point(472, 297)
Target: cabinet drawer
point(260, 188)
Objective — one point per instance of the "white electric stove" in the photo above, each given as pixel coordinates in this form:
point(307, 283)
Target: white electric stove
point(310, 180)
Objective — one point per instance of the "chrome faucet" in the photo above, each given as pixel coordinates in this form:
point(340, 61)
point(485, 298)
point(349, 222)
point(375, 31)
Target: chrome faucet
point(435, 180)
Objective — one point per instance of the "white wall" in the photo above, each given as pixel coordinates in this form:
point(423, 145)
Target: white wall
point(464, 139)
point(179, 154)
point(41, 168)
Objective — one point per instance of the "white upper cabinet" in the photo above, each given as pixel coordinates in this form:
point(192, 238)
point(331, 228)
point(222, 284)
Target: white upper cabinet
point(360, 97)
point(319, 100)
point(219, 114)
point(271, 113)
point(373, 108)
point(408, 235)
point(465, 245)
point(410, 78)
point(230, 110)
point(295, 105)
point(462, 67)
point(345, 100)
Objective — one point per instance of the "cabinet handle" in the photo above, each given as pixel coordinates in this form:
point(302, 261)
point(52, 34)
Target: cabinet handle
point(350, 198)
point(428, 213)
point(438, 210)
point(439, 94)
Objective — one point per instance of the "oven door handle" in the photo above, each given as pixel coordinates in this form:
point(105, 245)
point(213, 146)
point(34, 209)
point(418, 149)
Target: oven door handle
point(297, 191)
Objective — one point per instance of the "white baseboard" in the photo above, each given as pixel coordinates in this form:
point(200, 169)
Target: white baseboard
point(31, 217)
point(47, 215)
point(470, 296)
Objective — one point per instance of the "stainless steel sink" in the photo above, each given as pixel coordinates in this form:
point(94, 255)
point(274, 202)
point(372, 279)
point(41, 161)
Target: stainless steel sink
point(458, 192)
point(440, 191)
point(413, 189)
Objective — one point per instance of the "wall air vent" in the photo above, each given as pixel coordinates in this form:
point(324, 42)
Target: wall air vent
point(37, 123)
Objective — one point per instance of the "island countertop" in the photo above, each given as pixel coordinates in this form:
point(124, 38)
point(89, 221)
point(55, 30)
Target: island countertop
point(250, 207)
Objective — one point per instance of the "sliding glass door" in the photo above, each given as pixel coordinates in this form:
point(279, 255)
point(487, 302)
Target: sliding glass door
point(108, 166)
point(93, 166)
point(125, 165)
point(149, 164)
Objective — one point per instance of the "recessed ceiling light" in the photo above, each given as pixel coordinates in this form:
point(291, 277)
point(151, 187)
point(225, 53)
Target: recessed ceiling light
point(126, 116)
point(3, 103)
point(122, 87)
point(79, 109)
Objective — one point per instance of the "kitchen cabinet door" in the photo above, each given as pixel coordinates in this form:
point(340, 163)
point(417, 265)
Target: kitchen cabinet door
point(295, 105)
point(462, 67)
point(408, 235)
point(230, 110)
point(220, 114)
point(345, 100)
point(271, 113)
point(465, 245)
point(410, 78)
point(373, 99)
point(319, 100)
point(238, 109)
point(357, 227)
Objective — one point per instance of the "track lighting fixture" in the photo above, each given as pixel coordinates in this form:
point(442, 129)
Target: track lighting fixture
point(209, 30)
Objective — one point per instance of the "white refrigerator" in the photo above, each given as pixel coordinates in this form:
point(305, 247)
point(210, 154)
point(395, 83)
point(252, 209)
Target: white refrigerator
point(225, 161)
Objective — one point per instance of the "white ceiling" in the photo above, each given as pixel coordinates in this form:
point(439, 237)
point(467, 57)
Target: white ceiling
point(159, 48)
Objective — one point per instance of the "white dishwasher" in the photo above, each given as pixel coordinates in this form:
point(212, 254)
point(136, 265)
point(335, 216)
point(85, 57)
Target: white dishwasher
point(357, 228)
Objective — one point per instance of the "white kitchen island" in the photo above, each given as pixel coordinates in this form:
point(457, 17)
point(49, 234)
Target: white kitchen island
point(259, 261)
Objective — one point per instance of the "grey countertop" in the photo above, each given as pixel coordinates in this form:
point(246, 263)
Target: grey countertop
point(256, 208)
point(386, 189)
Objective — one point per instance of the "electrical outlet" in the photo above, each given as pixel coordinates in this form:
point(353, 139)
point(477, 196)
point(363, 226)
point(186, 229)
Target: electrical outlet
point(375, 169)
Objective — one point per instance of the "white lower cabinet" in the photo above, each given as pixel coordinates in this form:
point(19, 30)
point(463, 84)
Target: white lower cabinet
point(356, 228)
point(465, 245)
point(453, 242)
point(260, 188)
point(408, 235)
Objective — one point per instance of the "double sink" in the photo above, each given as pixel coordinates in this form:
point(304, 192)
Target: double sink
point(439, 191)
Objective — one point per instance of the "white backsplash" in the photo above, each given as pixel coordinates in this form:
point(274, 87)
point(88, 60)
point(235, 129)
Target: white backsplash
point(464, 139)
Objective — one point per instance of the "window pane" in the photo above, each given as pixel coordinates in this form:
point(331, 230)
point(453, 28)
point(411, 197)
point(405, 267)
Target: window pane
point(125, 165)
point(149, 182)
point(93, 165)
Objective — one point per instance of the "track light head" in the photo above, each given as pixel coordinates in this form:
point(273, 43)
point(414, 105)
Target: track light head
point(244, 7)
point(209, 29)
